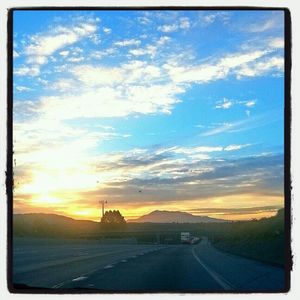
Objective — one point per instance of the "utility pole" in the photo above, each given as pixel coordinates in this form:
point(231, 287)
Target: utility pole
point(102, 203)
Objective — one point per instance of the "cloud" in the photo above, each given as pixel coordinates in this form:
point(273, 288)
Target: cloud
point(244, 124)
point(103, 53)
point(164, 179)
point(64, 53)
point(42, 46)
point(106, 30)
point(276, 43)
point(250, 103)
point(126, 43)
point(184, 23)
point(27, 71)
point(168, 28)
point(239, 211)
point(206, 19)
point(263, 26)
point(275, 63)
point(135, 72)
point(21, 88)
point(75, 59)
point(235, 147)
point(107, 101)
point(229, 64)
point(61, 85)
point(163, 40)
point(148, 50)
point(228, 103)
point(225, 104)
point(144, 20)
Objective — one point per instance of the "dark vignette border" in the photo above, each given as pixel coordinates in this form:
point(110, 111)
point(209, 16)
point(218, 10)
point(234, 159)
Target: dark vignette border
point(287, 147)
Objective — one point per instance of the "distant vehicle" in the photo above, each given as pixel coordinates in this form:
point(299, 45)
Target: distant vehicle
point(185, 238)
point(195, 240)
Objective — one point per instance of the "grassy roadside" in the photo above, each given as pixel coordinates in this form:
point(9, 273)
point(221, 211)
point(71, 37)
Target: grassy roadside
point(261, 240)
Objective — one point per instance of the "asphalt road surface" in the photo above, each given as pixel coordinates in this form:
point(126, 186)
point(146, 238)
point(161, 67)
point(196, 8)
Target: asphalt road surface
point(139, 268)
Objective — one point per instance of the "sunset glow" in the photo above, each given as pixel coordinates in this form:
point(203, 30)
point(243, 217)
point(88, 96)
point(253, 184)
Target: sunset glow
point(149, 110)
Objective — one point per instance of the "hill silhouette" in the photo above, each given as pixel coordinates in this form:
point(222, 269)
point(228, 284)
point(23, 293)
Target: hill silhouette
point(164, 216)
point(51, 225)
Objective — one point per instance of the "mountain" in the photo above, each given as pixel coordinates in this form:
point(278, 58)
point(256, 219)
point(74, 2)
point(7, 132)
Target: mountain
point(164, 216)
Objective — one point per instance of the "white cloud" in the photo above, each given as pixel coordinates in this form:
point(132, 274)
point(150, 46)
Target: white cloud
point(250, 103)
point(235, 147)
point(75, 59)
point(276, 43)
point(106, 30)
point(163, 40)
point(64, 53)
point(111, 102)
point(263, 26)
point(251, 63)
point(62, 85)
point(43, 45)
point(125, 43)
point(184, 23)
point(27, 71)
point(193, 150)
point(244, 124)
point(144, 20)
point(135, 72)
point(148, 50)
point(168, 28)
point(97, 75)
point(105, 52)
point(20, 88)
point(225, 104)
point(207, 19)
point(275, 63)
point(46, 44)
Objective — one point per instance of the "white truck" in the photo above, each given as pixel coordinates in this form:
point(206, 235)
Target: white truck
point(185, 238)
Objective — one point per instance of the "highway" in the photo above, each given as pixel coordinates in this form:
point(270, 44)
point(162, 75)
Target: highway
point(91, 265)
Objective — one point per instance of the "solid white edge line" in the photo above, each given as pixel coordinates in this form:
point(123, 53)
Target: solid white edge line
point(217, 277)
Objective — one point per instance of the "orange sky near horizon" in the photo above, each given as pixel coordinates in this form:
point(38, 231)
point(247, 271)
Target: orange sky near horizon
point(234, 207)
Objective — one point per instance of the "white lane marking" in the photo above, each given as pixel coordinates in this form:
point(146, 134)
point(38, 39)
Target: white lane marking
point(79, 278)
point(108, 267)
point(124, 260)
point(217, 277)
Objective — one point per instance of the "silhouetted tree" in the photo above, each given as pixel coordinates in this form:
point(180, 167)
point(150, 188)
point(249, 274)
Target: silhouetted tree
point(113, 219)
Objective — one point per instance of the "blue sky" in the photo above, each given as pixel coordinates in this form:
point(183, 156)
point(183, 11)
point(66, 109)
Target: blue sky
point(186, 106)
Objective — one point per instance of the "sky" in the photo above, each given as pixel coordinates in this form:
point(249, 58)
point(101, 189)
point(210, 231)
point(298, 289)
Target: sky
point(148, 110)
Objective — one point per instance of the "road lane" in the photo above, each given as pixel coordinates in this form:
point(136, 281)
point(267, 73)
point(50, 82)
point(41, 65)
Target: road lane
point(242, 273)
point(166, 270)
point(145, 268)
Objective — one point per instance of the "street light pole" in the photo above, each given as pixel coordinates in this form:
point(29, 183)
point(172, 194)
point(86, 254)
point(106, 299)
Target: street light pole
point(102, 203)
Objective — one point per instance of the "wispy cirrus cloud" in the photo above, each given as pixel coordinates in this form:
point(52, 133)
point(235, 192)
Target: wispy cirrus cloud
point(228, 103)
point(244, 124)
point(43, 45)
